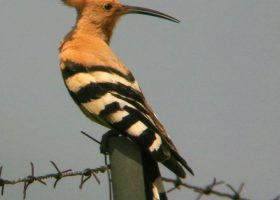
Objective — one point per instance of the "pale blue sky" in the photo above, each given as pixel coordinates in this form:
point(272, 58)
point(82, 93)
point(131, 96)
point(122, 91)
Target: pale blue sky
point(213, 80)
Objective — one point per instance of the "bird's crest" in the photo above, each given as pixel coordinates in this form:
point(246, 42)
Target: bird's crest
point(82, 3)
point(75, 3)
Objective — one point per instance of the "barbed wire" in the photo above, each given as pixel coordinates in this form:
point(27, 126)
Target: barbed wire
point(208, 189)
point(86, 174)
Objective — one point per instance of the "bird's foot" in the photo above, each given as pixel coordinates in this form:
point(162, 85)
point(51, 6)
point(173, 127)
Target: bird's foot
point(104, 146)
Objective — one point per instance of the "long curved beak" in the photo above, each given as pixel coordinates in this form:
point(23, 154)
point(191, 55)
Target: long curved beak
point(146, 11)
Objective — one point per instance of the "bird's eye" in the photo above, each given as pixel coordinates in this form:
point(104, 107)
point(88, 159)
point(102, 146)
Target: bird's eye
point(107, 6)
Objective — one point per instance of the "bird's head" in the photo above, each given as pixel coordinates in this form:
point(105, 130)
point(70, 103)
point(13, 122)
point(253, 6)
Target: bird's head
point(103, 14)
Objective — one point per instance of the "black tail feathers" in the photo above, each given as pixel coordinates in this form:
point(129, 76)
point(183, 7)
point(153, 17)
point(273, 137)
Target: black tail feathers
point(176, 163)
point(182, 161)
point(153, 183)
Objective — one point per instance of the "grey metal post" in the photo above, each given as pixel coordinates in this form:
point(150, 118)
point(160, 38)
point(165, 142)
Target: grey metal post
point(126, 169)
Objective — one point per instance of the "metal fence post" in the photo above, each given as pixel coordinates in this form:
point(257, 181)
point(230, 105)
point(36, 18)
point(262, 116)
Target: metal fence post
point(126, 169)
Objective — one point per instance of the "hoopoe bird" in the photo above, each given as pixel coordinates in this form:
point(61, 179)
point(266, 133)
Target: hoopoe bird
point(106, 91)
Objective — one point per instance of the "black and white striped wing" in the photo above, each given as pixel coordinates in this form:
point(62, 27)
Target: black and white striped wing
point(114, 100)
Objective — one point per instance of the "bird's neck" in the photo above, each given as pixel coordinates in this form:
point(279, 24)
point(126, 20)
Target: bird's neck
point(86, 25)
point(87, 49)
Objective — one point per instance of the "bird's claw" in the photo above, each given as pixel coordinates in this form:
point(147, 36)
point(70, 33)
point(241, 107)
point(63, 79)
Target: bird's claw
point(104, 146)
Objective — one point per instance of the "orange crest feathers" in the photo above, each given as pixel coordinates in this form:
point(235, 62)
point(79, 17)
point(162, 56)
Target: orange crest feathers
point(75, 3)
point(83, 3)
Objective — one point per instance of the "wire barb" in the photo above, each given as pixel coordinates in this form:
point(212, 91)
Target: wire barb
point(236, 192)
point(177, 183)
point(88, 173)
point(31, 179)
point(90, 137)
point(96, 178)
point(209, 188)
point(59, 174)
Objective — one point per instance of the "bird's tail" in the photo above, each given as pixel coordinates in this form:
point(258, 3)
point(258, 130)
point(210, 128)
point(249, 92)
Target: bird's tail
point(153, 182)
point(177, 164)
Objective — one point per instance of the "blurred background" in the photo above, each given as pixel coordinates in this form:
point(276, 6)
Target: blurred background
point(213, 81)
